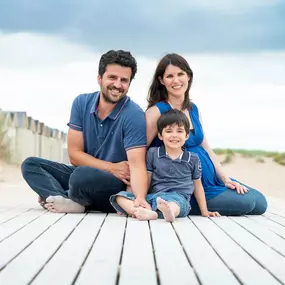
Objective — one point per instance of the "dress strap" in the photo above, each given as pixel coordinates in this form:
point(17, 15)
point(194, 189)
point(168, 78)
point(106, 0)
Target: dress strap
point(163, 106)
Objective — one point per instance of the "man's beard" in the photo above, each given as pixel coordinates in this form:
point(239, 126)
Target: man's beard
point(108, 99)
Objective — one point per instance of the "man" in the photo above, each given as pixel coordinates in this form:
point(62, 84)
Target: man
point(106, 146)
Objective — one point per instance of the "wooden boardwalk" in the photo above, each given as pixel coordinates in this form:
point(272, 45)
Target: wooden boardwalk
point(37, 247)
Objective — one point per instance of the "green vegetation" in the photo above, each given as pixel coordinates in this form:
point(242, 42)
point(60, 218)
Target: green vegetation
point(4, 142)
point(258, 154)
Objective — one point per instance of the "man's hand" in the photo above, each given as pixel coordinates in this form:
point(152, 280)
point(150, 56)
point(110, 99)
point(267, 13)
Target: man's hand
point(235, 185)
point(121, 170)
point(141, 202)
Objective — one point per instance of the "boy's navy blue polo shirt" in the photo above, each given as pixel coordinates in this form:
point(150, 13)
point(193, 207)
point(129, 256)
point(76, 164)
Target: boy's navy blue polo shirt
point(123, 129)
point(173, 174)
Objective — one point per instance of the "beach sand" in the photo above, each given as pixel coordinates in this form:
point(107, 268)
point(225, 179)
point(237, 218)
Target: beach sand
point(267, 177)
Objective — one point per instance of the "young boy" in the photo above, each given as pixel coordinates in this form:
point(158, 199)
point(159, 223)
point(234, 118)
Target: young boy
point(174, 174)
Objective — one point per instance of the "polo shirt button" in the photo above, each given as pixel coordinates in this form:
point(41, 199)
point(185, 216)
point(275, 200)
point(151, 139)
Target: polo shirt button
point(101, 125)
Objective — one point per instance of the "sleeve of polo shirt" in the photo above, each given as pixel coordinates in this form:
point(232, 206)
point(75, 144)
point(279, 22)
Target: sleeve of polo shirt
point(135, 131)
point(196, 167)
point(75, 121)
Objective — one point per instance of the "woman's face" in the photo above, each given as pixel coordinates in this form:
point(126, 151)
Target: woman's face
point(175, 80)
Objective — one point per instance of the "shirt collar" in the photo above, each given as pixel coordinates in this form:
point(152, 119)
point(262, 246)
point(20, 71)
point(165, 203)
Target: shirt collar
point(162, 152)
point(117, 110)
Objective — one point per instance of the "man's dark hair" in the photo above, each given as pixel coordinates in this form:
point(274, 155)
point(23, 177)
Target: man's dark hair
point(171, 117)
point(120, 57)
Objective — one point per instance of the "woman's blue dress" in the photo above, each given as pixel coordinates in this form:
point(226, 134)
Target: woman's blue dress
point(213, 186)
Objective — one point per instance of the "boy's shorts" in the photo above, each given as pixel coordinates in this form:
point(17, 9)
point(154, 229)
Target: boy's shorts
point(175, 197)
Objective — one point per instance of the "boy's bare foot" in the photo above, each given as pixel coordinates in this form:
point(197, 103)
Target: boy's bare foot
point(59, 204)
point(144, 214)
point(164, 207)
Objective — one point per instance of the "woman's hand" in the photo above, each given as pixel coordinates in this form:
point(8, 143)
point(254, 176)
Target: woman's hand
point(235, 185)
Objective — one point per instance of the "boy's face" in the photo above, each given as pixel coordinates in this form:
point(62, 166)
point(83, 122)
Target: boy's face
point(173, 136)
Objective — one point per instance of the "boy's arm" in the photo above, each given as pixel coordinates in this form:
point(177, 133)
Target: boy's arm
point(199, 194)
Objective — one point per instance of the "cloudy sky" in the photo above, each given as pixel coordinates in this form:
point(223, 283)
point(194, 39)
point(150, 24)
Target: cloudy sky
point(49, 52)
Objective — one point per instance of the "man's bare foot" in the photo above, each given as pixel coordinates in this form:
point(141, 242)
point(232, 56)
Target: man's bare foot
point(164, 207)
point(59, 204)
point(144, 214)
point(42, 202)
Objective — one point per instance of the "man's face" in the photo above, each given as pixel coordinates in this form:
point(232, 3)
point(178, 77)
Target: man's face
point(115, 83)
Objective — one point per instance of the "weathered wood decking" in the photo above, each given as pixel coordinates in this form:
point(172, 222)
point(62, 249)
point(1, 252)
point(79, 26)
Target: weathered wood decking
point(37, 247)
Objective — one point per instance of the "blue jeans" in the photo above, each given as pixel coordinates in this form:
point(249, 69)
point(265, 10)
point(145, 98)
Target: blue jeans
point(175, 197)
point(85, 185)
point(230, 203)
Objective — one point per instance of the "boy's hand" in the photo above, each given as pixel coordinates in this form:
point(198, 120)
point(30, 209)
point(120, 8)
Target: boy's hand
point(141, 202)
point(211, 214)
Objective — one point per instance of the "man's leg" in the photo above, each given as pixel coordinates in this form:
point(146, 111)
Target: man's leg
point(45, 177)
point(93, 187)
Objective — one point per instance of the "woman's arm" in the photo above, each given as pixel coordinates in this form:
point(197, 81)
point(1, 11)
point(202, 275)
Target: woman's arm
point(151, 115)
point(201, 200)
point(218, 167)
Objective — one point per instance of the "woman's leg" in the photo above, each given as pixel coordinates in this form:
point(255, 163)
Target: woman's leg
point(229, 203)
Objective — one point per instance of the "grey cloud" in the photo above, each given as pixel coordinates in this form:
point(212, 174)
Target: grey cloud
point(151, 27)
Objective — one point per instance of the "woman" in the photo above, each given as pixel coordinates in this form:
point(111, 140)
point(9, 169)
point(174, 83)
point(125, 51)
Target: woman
point(170, 89)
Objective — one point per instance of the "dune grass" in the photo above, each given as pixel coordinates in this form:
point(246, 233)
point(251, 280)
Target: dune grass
point(258, 154)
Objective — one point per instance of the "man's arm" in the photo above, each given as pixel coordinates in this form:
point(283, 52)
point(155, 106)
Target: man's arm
point(78, 157)
point(139, 177)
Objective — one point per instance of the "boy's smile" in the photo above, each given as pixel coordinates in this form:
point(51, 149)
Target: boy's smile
point(173, 136)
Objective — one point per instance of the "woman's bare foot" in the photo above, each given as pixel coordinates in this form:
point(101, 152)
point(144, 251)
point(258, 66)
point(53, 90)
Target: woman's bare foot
point(164, 207)
point(59, 204)
point(144, 214)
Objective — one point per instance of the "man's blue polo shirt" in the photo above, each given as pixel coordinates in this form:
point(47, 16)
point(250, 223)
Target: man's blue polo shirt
point(123, 129)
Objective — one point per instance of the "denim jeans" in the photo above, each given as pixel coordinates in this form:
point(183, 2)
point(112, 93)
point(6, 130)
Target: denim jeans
point(85, 185)
point(230, 203)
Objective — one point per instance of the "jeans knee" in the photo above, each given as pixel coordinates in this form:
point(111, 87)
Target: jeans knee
point(28, 164)
point(78, 178)
point(260, 204)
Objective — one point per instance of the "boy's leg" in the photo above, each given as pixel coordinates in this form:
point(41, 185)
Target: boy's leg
point(123, 202)
point(170, 210)
point(126, 204)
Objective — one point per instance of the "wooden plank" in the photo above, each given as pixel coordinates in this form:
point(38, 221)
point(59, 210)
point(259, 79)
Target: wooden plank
point(262, 253)
point(276, 211)
point(275, 218)
point(38, 253)
point(269, 224)
point(246, 269)
point(13, 245)
point(72, 253)
point(202, 255)
point(137, 266)
point(3, 208)
point(172, 263)
point(262, 233)
point(13, 225)
point(11, 213)
point(103, 260)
